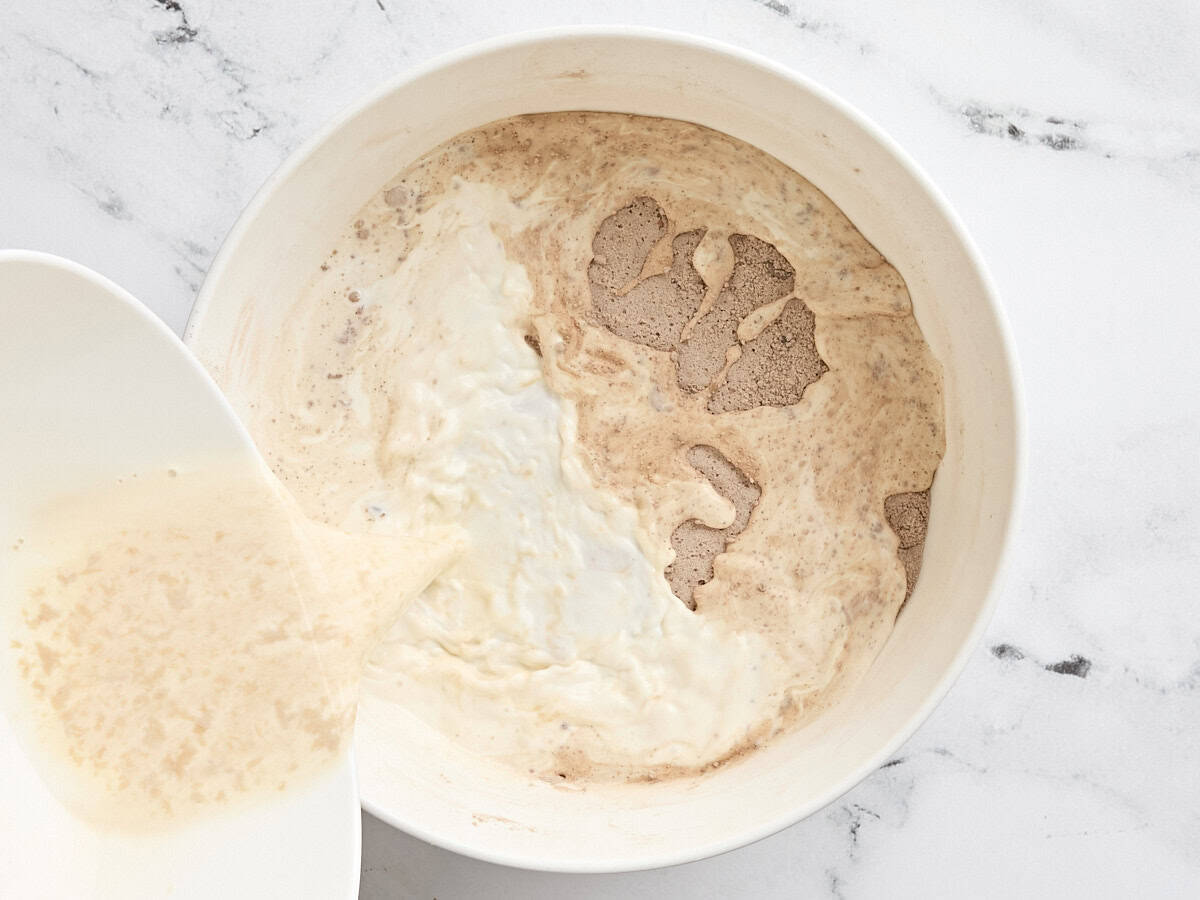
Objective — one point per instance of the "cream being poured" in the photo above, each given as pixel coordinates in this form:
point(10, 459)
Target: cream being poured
point(186, 641)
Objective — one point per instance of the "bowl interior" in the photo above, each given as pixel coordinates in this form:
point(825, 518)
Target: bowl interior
point(439, 793)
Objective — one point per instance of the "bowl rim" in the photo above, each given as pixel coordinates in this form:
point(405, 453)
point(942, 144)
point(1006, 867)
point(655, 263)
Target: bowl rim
point(1008, 353)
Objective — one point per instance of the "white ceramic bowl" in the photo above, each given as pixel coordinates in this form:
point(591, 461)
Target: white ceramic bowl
point(435, 791)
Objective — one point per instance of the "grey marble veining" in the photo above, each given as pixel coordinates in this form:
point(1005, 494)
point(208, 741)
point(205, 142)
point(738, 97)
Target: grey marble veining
point(1067, 758)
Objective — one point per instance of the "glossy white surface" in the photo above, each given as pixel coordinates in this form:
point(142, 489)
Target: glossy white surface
point(134, 153)
point(92, 387)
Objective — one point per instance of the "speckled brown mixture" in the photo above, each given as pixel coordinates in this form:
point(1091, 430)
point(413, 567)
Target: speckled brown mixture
point(680, 406)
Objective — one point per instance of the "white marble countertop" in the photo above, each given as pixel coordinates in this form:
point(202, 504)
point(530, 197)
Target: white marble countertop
point(1066, 761)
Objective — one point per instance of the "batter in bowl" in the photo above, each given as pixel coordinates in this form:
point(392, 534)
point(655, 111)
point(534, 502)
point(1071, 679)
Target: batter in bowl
point(679, 407)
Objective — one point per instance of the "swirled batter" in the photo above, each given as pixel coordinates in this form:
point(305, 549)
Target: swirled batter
point(678, 403)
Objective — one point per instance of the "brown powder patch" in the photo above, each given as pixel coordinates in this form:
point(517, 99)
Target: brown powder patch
point(760, 276)
point(775, 367)
point(653, 311)
point(908, 516)
point(696, 545)
point(623, 242)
